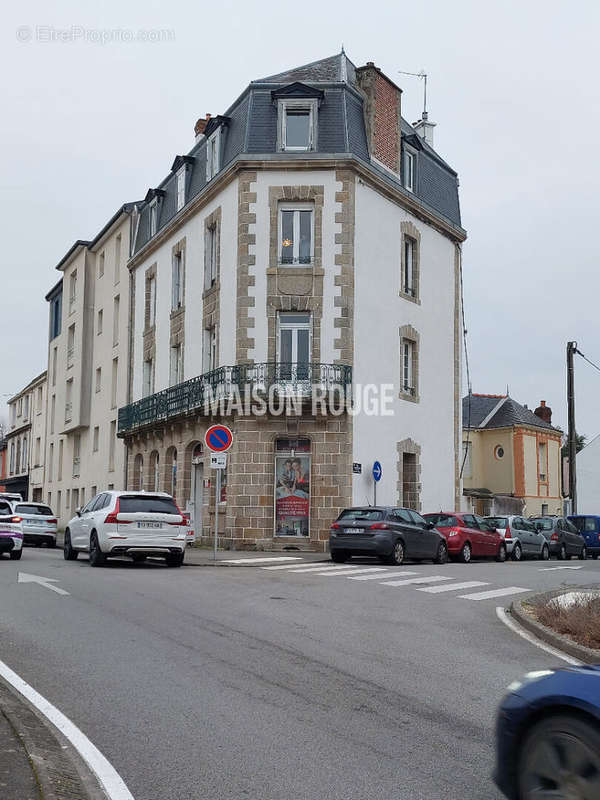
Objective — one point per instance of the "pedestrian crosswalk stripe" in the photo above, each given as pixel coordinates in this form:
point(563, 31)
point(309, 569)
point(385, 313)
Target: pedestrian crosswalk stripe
point(493, 593)
point(410, 581)
point(378, 570)
point(295, 565)
point(374, 577)
point(451, 587)
point(259, 560)
point(330, 567)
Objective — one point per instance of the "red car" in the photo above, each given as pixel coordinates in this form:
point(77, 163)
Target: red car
point(468, 536)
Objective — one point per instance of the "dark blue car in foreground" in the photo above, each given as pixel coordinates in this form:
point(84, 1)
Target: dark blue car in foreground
point(548, 736)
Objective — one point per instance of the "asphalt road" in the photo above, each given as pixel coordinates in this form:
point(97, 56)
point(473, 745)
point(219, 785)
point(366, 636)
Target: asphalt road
point(237, 683)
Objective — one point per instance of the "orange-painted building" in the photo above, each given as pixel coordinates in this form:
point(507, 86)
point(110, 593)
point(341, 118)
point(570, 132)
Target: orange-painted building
point(512, 462)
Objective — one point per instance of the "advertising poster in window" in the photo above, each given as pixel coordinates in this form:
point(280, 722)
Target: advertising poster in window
point(292, 495)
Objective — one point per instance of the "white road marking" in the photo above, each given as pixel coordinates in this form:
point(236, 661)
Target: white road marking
point(504, 617)
point(493, 593)
point(109, 778)
point(550, 569)
point(326, 569)
point(378, 570)
point(450, 587)
point(375, 577)
point(24, 577)
point(261, 560)
point(410, 581)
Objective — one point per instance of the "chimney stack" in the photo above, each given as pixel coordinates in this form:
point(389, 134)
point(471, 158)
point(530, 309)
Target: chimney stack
point(544, 412)
point(200, 125)
point(382, 115)
point(425, 128)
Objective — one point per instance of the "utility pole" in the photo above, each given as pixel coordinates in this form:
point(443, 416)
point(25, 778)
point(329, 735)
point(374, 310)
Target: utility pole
point(572, 434)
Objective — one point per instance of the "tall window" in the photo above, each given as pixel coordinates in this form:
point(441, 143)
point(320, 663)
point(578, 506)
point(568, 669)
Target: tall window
point(172, 467)
point(54, 364)
point(52, 412)
point(101, 264)
point(50, 462)
point(176, 365)
point(114, 382)
point(153, 217)
point(25, 455)
point(408, 164)
point(111, 446)
point(148, 377)
point(542, 453)
point(117, 259)
point(297, 125)
point(98, 379)
point(70, 345)
point(296, 234)
point(210, 256)
point(151, 301)
point(155, 471)
point(177, 281)
point(76, 455)
point(116, 310)
point(294, 345)
point(96, 439)
point(99, 322)
point(138, 472)
point(61, 447)
point(69, 401)
point(181, 189)
point(55, 316)
point(213, 146)
point(408, 356)
point(408, 271)
point(72, 290)
point(38, 451)
point(210, 349)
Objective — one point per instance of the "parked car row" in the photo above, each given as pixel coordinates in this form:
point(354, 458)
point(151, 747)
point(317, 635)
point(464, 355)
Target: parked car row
point(395, 534)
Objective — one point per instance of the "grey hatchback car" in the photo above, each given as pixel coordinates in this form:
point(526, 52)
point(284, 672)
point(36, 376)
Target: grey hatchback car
point(391, 534)
point(563, 537)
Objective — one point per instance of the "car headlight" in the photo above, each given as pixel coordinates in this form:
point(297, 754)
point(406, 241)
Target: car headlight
point(530, 676)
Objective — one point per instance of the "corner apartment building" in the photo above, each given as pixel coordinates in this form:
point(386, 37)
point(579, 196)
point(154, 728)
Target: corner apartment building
point(87, 368)
point(25, 438)
point(309, 243)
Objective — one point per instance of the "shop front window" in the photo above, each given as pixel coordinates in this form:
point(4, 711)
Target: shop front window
point(292, 487)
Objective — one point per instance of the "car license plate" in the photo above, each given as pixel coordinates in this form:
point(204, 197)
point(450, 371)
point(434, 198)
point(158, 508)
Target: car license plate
point(349, 530)
point(149, 525)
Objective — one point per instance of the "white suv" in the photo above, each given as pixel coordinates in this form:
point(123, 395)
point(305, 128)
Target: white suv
point(134, 524)
point(11, 531)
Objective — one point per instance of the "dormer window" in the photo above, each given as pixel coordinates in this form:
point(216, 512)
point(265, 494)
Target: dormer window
point(213, 146)
point(408, 169)
point(153, 217)
point(297, 125)
point(181, 189)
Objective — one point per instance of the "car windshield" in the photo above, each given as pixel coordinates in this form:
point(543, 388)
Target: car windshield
point(543, 524)
point(442, 520)
point(361, 513)
point(498, 522)
point(147, 505)
point(32, 511)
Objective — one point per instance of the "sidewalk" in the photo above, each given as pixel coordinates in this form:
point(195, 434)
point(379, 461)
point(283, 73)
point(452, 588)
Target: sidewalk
point(34, 763)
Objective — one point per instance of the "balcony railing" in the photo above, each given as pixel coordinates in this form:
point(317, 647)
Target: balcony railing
point(209, 392)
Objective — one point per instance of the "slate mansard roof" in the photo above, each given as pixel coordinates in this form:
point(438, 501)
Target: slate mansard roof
point(249, 131)
point(499, 411)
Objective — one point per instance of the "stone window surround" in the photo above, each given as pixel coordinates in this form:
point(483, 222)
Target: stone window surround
point(408, 446)
point(179, 249)
point(410, 231)
point(409, 333)
point(211, 296)
point(177, 316)
point(293, 288)
point(149, 275)
point(212, 221)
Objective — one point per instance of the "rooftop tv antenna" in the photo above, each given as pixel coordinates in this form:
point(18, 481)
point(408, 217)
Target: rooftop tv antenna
point(423, 75)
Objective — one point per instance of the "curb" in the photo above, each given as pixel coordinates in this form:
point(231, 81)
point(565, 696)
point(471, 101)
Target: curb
point(58, 770)
point(587, 655)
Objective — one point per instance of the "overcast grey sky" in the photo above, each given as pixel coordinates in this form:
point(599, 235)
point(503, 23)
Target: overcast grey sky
point(513, 87)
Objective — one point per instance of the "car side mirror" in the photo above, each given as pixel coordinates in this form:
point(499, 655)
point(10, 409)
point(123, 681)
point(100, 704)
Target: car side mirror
point(78, 511)
point(430, 525)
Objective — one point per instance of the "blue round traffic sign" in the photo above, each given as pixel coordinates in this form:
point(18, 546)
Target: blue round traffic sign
point(377, 471)
point(218, 438)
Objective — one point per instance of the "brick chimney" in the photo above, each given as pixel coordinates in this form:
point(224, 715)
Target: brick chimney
point(382, 115)
point(200, 125)
point(544, 412)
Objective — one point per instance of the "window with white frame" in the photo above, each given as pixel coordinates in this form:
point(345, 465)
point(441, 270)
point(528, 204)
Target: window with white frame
point(408, 367)
point(408, 169)
point(210, 256)
point(69, 400)
point(72, 290)
point(176, 365)
point(408, 266)
point(297, 124)
point(542, 453)
point(296, 239)
point(181, 189)
point(148, 377)
point(213, 146)
point(294, 345)
point(153, 216)
point(152, 301)
point(177, 281)
point(70, 345)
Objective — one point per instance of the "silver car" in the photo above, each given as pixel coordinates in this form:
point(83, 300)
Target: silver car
point(521, 537)
point(39, 523)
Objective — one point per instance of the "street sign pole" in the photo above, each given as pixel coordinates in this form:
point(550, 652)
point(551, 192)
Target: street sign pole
point(377, 473)
point(374, 493)
point(217, 497)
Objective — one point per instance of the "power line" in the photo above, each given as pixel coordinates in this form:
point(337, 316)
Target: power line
point(585, 358)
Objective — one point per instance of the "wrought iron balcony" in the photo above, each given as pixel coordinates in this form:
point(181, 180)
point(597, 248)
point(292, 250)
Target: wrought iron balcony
point(212, 391)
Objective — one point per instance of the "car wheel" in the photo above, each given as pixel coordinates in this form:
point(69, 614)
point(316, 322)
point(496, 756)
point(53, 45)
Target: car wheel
point(583, 554)
point(339, 556)
point(560, 757)
point(397, 556)
point(501, 554)
point(68, 552)
point(175, 559)
point(15, 555)
point(517, 553)
point(442, 554)
point(97, 557)
point(545, 554)
point(595, 556)
point(465, 553)
point(562, 553)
